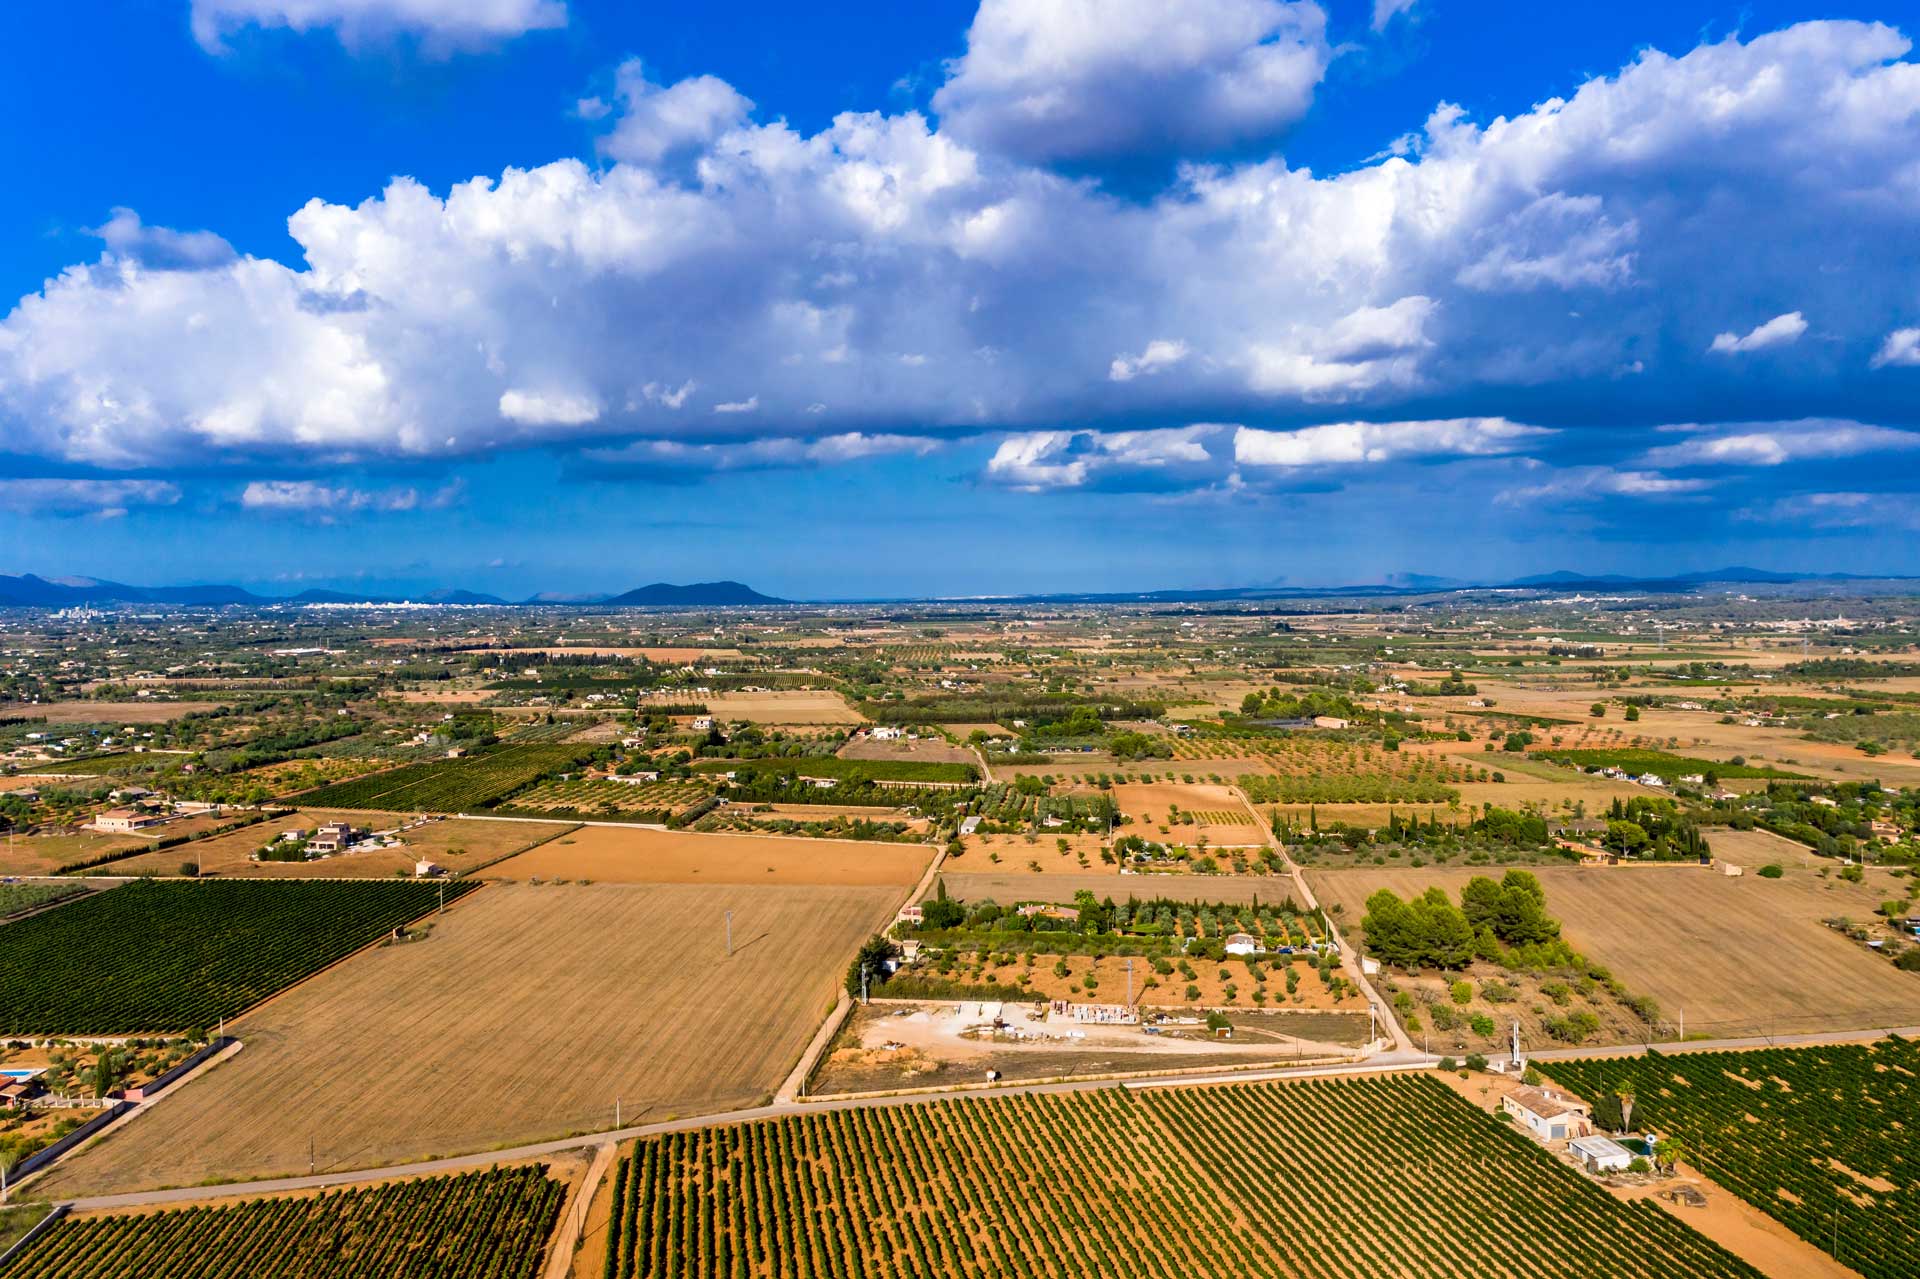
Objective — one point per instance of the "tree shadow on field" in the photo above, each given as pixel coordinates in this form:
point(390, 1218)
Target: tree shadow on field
point(755, 940)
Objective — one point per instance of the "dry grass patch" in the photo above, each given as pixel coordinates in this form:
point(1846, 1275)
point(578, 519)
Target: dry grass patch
point(633, 855)
point(784, 706)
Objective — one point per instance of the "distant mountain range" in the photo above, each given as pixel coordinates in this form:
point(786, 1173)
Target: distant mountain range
point(29, 591)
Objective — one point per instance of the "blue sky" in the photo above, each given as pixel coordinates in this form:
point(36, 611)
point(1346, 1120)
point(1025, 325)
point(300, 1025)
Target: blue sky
point(849, 300)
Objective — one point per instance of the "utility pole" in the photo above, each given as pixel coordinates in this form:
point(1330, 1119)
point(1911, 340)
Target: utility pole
point(1129, 983)
point(310, 1161)
point(729, 934)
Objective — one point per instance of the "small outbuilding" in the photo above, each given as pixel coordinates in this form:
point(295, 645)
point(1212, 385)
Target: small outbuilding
point(1548, 1115)
point(1601, 1154)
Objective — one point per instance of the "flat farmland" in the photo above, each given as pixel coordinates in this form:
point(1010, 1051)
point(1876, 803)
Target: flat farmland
point(1752, 849)
point(522, 1015)
point(632, 855)
point(137, 712)
point(1744, 956)
point(926, 751)
point(42, 854)
point(1218, 814)
point(784, 706)
point(458, 844)
point(1012, 887)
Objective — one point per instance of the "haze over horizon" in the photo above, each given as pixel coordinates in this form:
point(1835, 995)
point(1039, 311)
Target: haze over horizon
point(543, 296)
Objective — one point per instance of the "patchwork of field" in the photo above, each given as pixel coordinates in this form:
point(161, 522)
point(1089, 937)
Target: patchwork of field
point(783, 706)
point(458, 844)
point(1742, 957)
point(482, 1225)
point(1243, 1180)
point(631, 855)
point(523, 1015)
point(1217, 814)
point(1015, 887)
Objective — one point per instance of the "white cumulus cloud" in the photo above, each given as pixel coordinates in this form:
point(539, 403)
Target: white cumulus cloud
point(1781, 330)
point(1159, 354)
point(1350, 443)
point(655, 122)
point(1902, 347)
point(1089, 80)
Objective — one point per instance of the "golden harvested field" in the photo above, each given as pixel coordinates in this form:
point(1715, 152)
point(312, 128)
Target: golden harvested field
point(1014, 853)
point(41, 854)
point(459, 844)
point(1220, 817)
point(1744, 956)
point(143, 711)
point(632, 855)
point(1752, 849)
point(522, 1015)
point(1014, 887)
point(783, 706)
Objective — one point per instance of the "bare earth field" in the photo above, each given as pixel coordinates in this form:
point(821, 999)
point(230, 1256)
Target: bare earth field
point(1014, 887)
point(1744, 956)
point(633, 855)
point(458, 844)
point(1223, 819)
point(783, 706)
point(522, 1015)
point(1752, 849)
point(144, 711)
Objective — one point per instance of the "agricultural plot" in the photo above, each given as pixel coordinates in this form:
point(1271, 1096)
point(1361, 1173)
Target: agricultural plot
point(447, 785)
point(18, 899)
point(179, 955)
point(46, 854)
point(628, 855)
point(1301, 768)
point(1663, 764)
point(1818, 1138)
point(594, 797)
point(1739, 957)
point(1246, 1180)
point(1187, 814)
point(483, 1225)
point(527, 1013)
point(783, 706)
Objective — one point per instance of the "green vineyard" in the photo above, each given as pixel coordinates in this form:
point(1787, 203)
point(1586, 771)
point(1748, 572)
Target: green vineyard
point(448, 785)
point(177, 955)
point(1347, 1179)
point(1819, 1138)
point(484, 1225)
